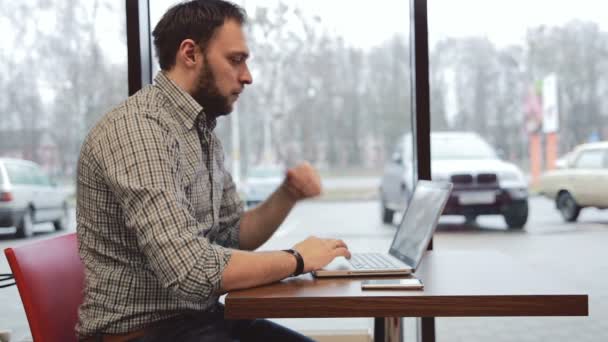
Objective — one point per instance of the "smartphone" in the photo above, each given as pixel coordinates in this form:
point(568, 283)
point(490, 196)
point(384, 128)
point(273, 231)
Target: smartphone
point(392, 284)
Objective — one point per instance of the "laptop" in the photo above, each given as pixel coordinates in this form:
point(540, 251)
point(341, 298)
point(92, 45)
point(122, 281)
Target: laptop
point(410, 241)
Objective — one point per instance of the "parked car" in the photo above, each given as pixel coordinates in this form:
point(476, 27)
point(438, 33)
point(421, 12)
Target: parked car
point(483, 184)
point(262, 181)
point(580, 181)
point(28, 196)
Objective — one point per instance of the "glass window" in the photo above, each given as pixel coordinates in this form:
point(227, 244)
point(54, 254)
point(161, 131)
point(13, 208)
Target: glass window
point(592, 159)
point(526, 78)
point(23, 174)
point(63, 64)
point(267, 171)
point(39, 177)
point(334, 90)
point(19, 174)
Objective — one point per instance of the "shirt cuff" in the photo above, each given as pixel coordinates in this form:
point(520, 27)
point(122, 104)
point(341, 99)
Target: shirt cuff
point(207, 272)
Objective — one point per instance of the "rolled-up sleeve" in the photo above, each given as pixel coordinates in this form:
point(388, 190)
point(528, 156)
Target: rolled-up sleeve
point(231, 212)
point(143, 171)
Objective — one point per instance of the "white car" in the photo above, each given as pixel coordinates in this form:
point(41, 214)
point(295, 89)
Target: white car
point(262, 181)
point(28, 196)
point(580, 180)
point(483, 183)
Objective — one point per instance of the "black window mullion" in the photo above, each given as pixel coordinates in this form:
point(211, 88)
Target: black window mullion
point(138, 44)
point(422, 118)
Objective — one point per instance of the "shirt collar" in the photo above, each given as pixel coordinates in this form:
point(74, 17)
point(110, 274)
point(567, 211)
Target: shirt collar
point(190, 112)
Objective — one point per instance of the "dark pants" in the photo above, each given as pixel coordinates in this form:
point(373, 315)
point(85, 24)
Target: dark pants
point(196, 327)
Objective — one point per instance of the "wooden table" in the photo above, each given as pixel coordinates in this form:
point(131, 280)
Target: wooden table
point(457, 284)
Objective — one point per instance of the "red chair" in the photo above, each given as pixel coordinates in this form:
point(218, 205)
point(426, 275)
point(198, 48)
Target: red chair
point(50, 280)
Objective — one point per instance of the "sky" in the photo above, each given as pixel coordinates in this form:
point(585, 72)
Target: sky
point(503, 22)
point(362, 25)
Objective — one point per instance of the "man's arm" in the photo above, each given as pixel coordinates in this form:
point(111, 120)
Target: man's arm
point(249, 269)
point(257, 225)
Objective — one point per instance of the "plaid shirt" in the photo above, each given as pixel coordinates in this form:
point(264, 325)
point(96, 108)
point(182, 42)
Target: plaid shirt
point(157, 212)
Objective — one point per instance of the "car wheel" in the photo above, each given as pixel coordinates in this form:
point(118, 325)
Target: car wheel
point(62, 222)
point(516, 215)
point(567, 206)
point(25, 228)
point(386, 213)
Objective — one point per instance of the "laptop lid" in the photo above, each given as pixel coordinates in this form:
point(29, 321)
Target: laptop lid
point(419, 221)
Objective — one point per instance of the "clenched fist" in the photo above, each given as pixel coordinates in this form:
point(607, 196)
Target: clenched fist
point(302, 181)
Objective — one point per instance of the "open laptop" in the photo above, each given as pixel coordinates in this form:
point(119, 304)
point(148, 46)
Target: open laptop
point(410, 241)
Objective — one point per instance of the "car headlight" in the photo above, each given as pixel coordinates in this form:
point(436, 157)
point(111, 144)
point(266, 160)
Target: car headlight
point(518, 193)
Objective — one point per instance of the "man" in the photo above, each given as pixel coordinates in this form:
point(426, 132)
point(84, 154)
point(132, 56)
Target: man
point(161, 230)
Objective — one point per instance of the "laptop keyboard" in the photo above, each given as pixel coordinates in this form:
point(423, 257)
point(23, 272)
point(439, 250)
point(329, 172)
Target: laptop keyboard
point(364, 261)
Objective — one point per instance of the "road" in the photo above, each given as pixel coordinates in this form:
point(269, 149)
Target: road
point(574, 252)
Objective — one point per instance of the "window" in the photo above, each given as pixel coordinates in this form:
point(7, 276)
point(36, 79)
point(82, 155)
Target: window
point(39, 177)
point(525, 76)
point(19, 174)
point(331, 89)
point(63, 65)
point(591, 159)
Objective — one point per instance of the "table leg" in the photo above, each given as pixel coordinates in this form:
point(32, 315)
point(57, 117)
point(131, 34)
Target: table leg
point(388, 329)
point(426, 329)
point(378, 329)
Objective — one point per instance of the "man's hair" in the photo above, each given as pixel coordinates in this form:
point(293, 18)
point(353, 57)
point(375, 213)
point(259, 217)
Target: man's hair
point(197, 20)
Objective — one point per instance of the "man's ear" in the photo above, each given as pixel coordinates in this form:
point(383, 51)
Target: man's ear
point(188, 53)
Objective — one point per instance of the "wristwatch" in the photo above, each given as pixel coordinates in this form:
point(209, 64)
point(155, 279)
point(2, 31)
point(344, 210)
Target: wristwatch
point(299, 261)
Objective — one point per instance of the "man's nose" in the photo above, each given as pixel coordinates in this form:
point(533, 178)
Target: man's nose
point(246, 76)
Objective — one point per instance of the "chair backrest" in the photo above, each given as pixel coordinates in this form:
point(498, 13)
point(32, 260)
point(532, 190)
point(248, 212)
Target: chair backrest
point(50, 280)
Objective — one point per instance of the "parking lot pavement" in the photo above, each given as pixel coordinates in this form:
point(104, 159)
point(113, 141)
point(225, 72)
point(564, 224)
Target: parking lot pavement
point(572, 252)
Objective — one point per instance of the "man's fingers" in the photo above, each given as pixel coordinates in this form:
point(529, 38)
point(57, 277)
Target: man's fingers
point(339, 243)
point(290, 173)
point(342, 252)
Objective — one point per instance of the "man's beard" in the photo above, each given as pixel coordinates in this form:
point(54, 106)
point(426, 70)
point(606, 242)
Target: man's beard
point(208, 95)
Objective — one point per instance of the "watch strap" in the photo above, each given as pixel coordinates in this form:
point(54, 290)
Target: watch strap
point(299, 261)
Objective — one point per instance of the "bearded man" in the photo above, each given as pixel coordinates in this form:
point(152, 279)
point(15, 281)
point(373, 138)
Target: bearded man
point(161, 230)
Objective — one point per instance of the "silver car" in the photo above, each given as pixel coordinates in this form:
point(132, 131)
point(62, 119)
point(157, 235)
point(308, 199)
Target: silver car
point(483, 183)
point(28, 196)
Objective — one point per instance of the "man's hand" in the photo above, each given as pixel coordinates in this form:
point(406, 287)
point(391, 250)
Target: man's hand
point(317, 252)
point(302, 181)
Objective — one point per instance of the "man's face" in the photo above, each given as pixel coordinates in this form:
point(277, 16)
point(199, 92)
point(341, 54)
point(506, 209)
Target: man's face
point(224, 72)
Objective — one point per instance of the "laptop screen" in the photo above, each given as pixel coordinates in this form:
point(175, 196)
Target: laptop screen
point(419, 221)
